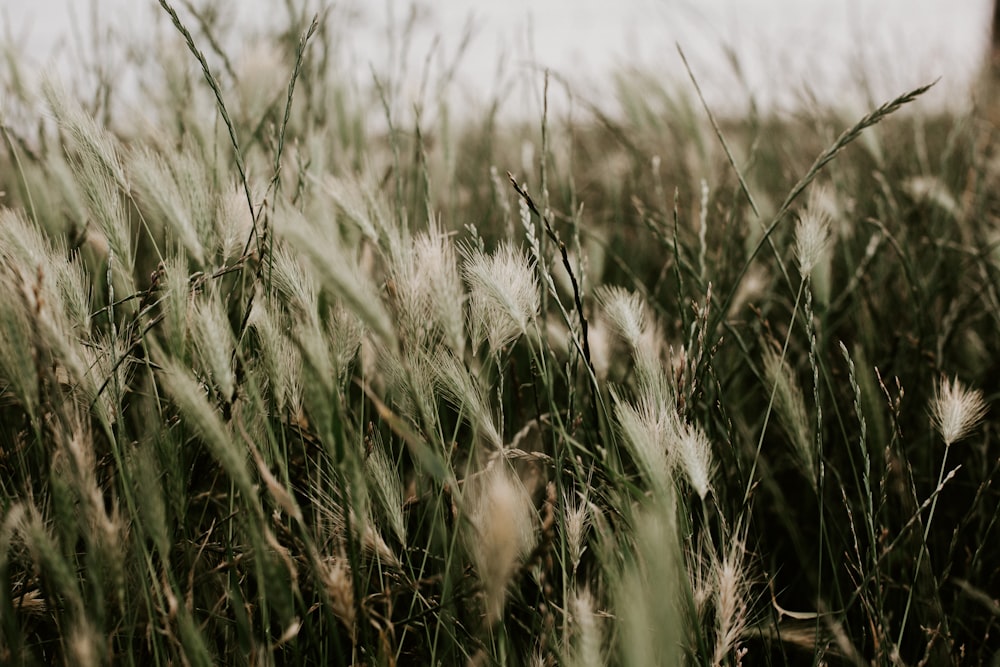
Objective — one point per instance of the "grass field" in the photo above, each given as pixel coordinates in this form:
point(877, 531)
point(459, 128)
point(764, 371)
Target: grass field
point(293, 373)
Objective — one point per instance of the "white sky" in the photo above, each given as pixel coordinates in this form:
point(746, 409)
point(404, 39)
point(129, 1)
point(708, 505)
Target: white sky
point(784, 46)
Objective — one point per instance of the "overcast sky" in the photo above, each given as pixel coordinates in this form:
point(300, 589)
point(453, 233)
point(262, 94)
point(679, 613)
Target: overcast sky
point(784, 46)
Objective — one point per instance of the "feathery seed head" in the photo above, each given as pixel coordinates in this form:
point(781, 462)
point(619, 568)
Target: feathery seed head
point(157, 183)
point(427, 292)
point(702, 577)
point(413, 380)
point(812, 235)
point(345, 334)
point(95, 144)
point(504, 298)
point(436, 254)
point(648, 428)
point(652, 618)
point(587, 628)
point(235, 223)
point(626, 311)
point(177, 299)
point(336, 577)
point(100, 176)
point(576, 522)
point(336, 266)
point(102, 360)
point(205, 420)
point(731, 606)
point(790, 407)
point(384, 485)
point(295, 284)
point(214, 341)
point(629, 315)
point(956, 410)
point(695, 456)
point(503, 523)
point(468, 394)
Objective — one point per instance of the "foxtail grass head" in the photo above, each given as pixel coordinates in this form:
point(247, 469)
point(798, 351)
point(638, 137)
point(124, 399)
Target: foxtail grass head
point(956, 410)
point(504, 298)
point(502, 524)
point(812, 237)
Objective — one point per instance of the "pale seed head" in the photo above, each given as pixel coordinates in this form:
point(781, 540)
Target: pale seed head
point(956, 410)
point(812, 234)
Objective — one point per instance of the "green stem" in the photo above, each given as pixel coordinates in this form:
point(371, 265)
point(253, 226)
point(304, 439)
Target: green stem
point(923, 547)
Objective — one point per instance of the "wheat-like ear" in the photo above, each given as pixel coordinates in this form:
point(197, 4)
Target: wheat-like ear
point(22, 261)
point(385, 486)
point(18, 372)
point(93, 143)
point(411, 376)
point(146, 473)
point(73, 285)
point(466, 392)
point(107, 211)
point(358, 200)
point(45, 311)
point(234, 223)
point(173, 195)
point(812, 236)
point(625, 310)
point(345, 334)
point(176, 302)
point(58, 578)
point(48, 559)
point(109, 371)
point(69, 205)
point(336, 515)
point(279, 357)
point(30, 255)
point(335, 575)
point(102, 527)
point(204, 419)
point(501, 531)
point(318, 371)
point(101, 178)
point(434, 251)
point(648, 427)
point(576, 520)
point(427, 292)
point(652, 619)
point(213, 340)
point(586, 627)
point(693, 452)
point(295, 286)
point(790, 405)
point(956, 410)
point(338, 271)
point(732, 589)
point(629, 315)
point(504, 298)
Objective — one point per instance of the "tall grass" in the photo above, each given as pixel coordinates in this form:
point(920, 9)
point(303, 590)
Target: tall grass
point(278, 385)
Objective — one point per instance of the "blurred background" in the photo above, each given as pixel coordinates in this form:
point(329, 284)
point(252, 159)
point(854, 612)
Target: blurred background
point(777, 54)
